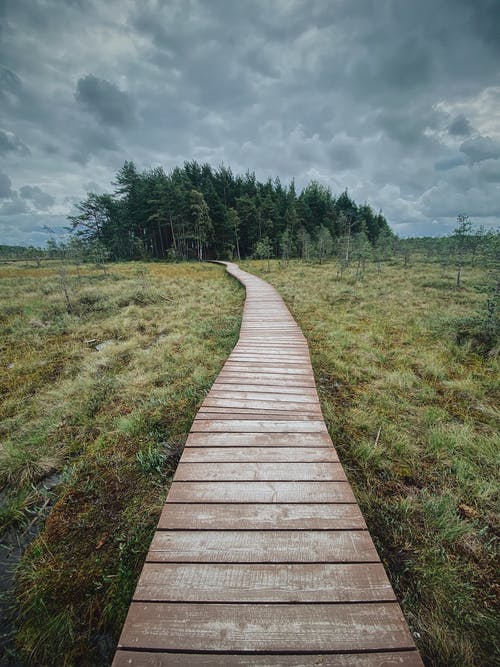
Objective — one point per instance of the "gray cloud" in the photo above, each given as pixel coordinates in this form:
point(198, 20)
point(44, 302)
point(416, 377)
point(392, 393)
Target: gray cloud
point(14, 206)
point(111, 105)
point(460, 126)
point(10, 143)
point(379, 97)
point(40, 199)
point(481, 148)
point(5, 189)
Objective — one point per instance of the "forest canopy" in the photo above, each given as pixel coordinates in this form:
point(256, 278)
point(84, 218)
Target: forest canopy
point(196, 211)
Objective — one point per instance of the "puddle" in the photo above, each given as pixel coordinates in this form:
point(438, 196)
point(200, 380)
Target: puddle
point(104, 344)
point(13, 544)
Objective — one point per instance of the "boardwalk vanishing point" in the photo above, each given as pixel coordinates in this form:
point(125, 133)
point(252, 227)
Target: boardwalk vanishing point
point(261, 555)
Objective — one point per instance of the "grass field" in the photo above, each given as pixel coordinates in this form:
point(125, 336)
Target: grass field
point(412, 412)
point(107, 424)
point(414, 416)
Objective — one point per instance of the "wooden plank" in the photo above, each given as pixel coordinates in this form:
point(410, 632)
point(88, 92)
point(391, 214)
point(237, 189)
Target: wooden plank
point(242, 415)
point(212, 472)
point(262, 367)
point(387, 659)
point(259, 404)
point(244, 390)
point(268, 395)
point(275, 628)
point(262, 546)
point(260, 492)
point(257, 426)
point(270, 360)
point(265, 379)
point(223, 582)
point(278, 412)
point(259, 454)
point(252, 516)
point(258, 439)
point(280, 351)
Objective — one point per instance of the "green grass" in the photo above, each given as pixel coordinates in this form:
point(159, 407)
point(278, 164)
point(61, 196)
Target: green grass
point(113, 422)
point(387, 364)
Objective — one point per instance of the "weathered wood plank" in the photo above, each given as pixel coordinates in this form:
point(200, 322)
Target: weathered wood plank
point(254, 516)
point(223, 582)
point(259, 454)
point(262, 367)
point(257, 426)
point(262, 546)
point(260, 492)
point(212, 472)
point(387, 659)
point(256, 411)
point(275, 628)
point(258, 439)
point(260, 379)
point(261, 415)
point(222, 392)
point(259, 404)
point(266, 359)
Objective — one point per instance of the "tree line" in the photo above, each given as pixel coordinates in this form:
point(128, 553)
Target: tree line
point(196, 211)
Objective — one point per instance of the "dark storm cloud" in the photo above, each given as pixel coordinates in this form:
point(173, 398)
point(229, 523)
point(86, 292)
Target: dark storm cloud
point(460, 126)
point(395, 100)
point(103, 98)
point(10, 143)
point(40, 199)
point(5, 186)
point(481, 148)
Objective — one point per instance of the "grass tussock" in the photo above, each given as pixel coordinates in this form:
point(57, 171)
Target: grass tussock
point(102, 375)
point(411, 403)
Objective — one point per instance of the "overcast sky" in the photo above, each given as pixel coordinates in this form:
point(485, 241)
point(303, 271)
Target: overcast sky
point(396, 100)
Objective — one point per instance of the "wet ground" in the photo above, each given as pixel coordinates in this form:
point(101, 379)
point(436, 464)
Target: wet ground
point(12, 545)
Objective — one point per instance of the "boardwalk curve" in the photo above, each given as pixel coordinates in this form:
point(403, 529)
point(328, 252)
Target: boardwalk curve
point(261, 555)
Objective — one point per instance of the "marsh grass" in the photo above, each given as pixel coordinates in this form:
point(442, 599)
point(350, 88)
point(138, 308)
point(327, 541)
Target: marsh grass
point(388, 363)
point(112, 419)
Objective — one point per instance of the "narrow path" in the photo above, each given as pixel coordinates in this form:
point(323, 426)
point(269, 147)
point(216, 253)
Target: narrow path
point(262, 556)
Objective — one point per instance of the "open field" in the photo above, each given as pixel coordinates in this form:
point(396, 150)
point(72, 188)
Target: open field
point(91, 436)
point(414, 416)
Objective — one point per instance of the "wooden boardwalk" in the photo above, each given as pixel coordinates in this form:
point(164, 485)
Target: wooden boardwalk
point(262, 556)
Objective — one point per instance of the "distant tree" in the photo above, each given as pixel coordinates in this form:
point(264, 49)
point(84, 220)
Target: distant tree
point(361, 251)
point(36, 254)
point(99, 255)
point(234, 223)
point(286, 247)
point(77, 251)
point(324, 244)
point(383, 247)
point(461, 236)
point(304, 244)
point(264, 250)
point(203, 228)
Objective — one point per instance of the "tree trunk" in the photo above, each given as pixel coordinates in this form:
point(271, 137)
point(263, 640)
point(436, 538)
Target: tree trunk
point(237, 246)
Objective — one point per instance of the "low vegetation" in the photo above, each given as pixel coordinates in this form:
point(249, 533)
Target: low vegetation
point(410, 395)
point(103, 369)
point(102, 372)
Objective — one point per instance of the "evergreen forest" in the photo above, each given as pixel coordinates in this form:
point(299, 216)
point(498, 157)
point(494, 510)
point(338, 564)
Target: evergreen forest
point(198, 212)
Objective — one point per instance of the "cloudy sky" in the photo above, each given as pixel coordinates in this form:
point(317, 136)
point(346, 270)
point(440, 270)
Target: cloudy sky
point(397, 100)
